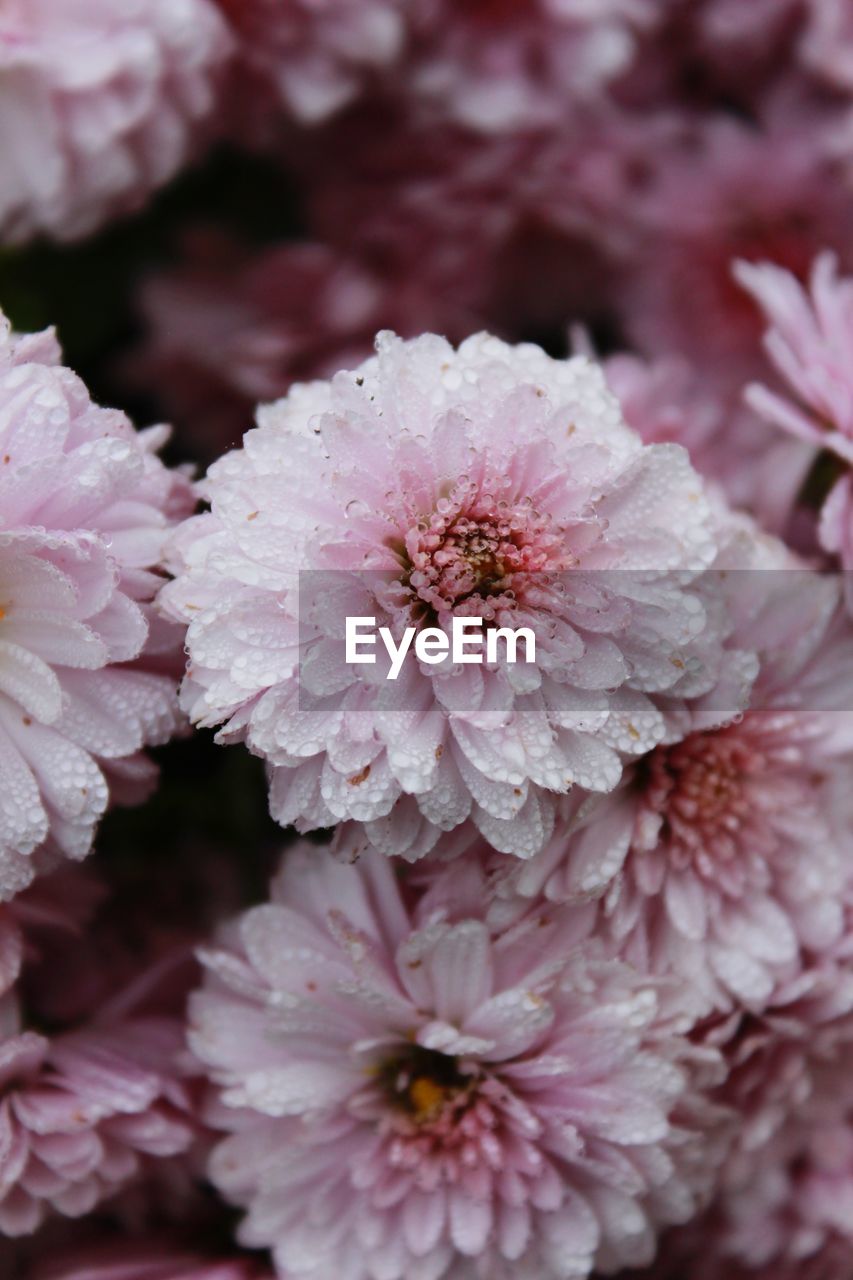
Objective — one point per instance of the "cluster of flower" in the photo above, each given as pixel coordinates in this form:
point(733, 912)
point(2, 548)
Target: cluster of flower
point(555, 977)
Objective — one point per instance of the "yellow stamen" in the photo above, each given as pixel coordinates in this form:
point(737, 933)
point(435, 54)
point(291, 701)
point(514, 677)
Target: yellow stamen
point(426, 1096)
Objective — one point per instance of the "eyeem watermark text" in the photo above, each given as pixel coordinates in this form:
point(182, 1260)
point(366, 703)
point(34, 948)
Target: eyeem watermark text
point(433, 645)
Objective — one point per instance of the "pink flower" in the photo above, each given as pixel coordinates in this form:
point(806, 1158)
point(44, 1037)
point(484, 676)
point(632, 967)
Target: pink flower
point(694, 1253)
point(808, 342)
point(81, 1110)
point(229, 327)
point(430, 484)
point(101, 104)
point(497, 65)
point(142, 1260)
point(782, 1208)
point(413, 1094)
point(527, 229)
point(724, 857)
point(89, 1106)
point(716, 57)
point(745, 34)
point(668, 399)
point(718, 855)
point(313, 58)
point(788, 1199)
point(485, 65)
point(55, 905)
point(713, 198)
point(826, 46)
point(85, 506)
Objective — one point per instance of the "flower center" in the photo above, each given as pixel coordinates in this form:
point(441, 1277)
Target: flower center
point(700, 788)
point(421, 1082)
point(444, 1122)
point(474, 553)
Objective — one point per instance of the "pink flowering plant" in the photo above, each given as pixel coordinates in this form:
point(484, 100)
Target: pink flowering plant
point(426, 640)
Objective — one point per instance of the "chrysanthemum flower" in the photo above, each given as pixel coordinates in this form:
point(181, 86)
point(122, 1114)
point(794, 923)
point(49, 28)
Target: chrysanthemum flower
point(228, 327)
point(413, 1094)
point(781, 1211)
point(101, 104)
point(787, 1200)
point(80, 1111)
point(95, 1088)
point(826, 46)
point(314, 58)
point(427, 485)
point(724, 857)
point(738, 41)
point(669, 399)
point(695, 1253)
point(529, 229)
point(136, 1259)
point(502, 65)
point(712, 199)
point(736, 866)
point(60, 904)
point(85, 506)
point(809, 342)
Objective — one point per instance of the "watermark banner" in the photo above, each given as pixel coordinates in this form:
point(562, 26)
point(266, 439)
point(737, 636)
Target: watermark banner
point(372, 639)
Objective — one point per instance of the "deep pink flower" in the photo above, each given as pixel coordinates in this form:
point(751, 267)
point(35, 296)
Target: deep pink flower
point(60, 904)
point(135, 1259)
point(413, 1094)
point(826, 47)
point(714, 199)
point(716, 57)
point(85, 507)
point(229, 328)
point(312, 58)
point(745, 34)
point(100, 104)
point(528, 229)
point(695, 1253)
point(498, 65)
point(493, 65)
point(428, 484)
